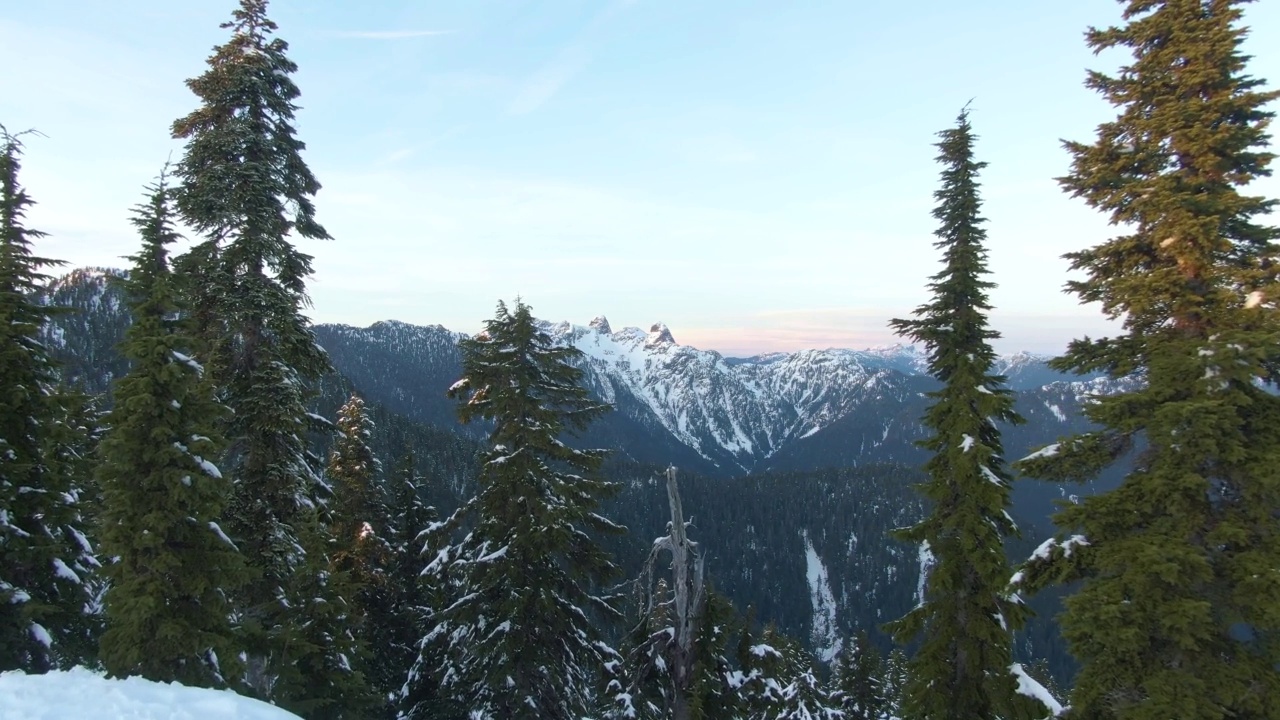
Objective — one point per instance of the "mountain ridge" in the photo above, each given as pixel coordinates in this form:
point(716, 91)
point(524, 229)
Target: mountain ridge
point(676, 403)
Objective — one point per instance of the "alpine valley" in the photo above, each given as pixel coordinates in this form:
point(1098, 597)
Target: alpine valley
point(795, 466)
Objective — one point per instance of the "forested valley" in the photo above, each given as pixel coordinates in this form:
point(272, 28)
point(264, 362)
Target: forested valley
point(543, 520)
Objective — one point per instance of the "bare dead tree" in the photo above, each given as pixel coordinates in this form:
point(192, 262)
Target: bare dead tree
point(673, 612)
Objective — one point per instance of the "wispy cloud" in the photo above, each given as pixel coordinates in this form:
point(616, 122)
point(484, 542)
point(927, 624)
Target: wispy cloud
point(568, 62)
point(550, 78)
point(389, 34)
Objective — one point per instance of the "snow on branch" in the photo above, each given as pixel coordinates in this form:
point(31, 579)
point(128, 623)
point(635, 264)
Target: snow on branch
point(1044, 452)
point(1030, 687)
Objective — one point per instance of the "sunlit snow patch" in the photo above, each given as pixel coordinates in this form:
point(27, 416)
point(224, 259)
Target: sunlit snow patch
point(78, 694)
point(1029, 687)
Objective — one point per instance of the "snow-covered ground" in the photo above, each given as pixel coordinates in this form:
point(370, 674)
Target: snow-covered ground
point(80, 694)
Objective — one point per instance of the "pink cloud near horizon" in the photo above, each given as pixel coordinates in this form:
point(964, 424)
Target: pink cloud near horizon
point(859, 329)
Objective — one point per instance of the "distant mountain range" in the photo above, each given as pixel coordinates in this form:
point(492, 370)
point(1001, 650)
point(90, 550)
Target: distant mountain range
point(827, 438)
point(673, 403)
point(720, 416)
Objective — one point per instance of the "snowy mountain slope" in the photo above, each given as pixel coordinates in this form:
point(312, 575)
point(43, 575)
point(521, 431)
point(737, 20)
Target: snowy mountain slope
point(673, 402)
point(86, 339)
point(405, 367)
point(734, 415)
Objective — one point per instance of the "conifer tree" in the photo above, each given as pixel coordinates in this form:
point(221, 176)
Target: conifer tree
point(859, 679)
point(895, 683)
point(642, 687)
point(166, 608)
point(247, 191)
point(779, 682)
point(523, 631)
point(1178, 611)
point(46, 562)
point(412, 599)
point(320, 676)
point(713, 693)
point(360, 553)
point(360, 516)
point(962, 667)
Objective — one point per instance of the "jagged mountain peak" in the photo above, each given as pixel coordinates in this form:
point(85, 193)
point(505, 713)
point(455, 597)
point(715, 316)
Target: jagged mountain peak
point(660, 333)
point(600, 324)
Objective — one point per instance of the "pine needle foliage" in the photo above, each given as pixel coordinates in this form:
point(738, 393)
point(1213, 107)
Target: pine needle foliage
point(172, 566)
point(411, 598)
point(961, 669)
point(1178, 611)
point(247, 191)
point(858, 677)
point(361, 551)
point(523, 633)
point(46, 562)
point(777, 681)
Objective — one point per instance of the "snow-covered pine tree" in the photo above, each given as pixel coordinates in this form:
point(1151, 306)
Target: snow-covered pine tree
point(359, 510)
point(46, 562)
point(858, 678)
point(1178, 611)
point(246, 190)
point(961, 670)
point(319, 674)
point(523, 633)
point(360, 550)
point(895, 683)
point(779, 682)
point(172, 566)
point(398, 638)
point(713, 693)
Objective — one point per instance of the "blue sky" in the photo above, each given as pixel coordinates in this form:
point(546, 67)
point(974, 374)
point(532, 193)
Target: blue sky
point(758, 175)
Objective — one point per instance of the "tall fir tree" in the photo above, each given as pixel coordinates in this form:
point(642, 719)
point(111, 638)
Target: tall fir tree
point(359, 510)
point(859, 679)
point(1178, 611)
point(361, 552)
point(412, 599)
point(247, 191)
point(895, 683)
point(172, 566)
point(46, 562)
point(961, 669)
point(523, 634)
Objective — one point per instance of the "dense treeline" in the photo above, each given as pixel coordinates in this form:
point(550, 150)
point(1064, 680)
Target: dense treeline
point(238, 517)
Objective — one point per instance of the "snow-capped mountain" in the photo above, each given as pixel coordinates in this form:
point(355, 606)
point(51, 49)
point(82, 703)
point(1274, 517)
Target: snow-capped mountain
point(718, 415)
point(674, 403)
point(734, 415)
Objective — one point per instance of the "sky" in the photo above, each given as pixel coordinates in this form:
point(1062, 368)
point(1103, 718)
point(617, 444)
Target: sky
point(757, 175)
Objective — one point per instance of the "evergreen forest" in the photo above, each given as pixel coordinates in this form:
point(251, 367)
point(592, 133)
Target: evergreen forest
point(201, 487)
